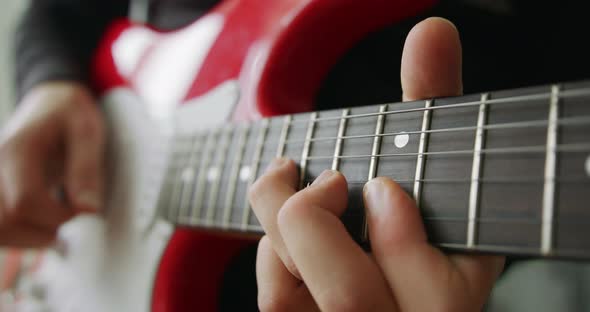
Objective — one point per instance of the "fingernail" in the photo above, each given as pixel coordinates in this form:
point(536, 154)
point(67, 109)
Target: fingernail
point(277, 163)
point(325, 176)
point(89, 200)
point(374, 192)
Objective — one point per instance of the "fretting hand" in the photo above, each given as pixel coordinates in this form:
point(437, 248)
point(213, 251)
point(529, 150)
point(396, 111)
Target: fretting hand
point(307, 261)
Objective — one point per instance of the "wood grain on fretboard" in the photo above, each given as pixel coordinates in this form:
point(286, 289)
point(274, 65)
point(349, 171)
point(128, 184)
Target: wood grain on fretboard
point(521, 187)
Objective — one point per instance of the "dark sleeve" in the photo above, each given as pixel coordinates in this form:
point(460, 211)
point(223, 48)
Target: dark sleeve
point(55, 39)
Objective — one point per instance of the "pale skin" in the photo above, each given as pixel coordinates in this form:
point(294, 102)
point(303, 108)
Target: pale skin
point(307, 261)
point(51, 163)
point(54, 145)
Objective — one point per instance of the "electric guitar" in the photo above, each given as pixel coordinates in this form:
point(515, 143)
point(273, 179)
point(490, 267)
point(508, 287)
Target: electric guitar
point(505, 172)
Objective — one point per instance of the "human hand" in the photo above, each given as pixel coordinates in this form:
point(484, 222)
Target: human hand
point(307, 261)
point(50, 163)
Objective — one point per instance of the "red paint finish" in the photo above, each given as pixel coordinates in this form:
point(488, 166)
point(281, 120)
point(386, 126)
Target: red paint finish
point(280, 51)
point(105, 75)
point(191, 269)
point(314, 41)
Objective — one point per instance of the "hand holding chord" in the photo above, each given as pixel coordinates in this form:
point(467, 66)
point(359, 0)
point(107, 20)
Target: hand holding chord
point(307, 260)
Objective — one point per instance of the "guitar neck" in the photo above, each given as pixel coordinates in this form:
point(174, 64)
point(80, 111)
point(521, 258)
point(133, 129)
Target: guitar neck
point(504, 172)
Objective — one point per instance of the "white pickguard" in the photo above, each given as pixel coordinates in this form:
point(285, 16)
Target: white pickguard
point(110, 260)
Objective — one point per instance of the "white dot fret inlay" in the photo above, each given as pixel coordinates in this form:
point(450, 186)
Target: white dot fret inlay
point(245, 173)
point(401, 140)
point(588, 165)
point(212, 174)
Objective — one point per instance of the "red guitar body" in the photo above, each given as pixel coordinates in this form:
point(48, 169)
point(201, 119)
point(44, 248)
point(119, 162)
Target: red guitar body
point(276, 51)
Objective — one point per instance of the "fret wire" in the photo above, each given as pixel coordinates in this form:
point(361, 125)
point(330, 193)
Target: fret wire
point(550, 169)
point(375, 150)
point(306, 146)
point(570, 121)
point(254, 171)
point(283, 136)
point(338, 145)
point(233, 180)
point(420, 155)
point(202, 175)
point(506, 100)
point(475, 173)
point(213, 193)
point(188, 177)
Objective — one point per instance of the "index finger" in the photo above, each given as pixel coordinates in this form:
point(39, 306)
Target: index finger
point(268, 195)
point(338, 273)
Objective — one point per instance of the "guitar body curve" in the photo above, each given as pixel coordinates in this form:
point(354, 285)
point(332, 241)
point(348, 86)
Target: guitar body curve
point(242, 61)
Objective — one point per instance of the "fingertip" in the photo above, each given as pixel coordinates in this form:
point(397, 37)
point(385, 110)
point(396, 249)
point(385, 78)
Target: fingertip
point(431, 60)
point(333, 180)
point(278, 163)
point(382, 192)
point(394, 220)
point(283, 168)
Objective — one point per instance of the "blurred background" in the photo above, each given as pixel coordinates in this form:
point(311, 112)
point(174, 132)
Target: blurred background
point(9, 14)
point(526, 286)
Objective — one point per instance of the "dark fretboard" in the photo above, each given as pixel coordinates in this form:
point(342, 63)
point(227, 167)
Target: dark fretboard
point(505, 172)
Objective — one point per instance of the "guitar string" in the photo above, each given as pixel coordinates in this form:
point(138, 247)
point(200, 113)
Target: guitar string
point(498, 126)
point(572, 147)
point(562, 148)
point(571, 121)
point(451, 181)
point(347, 217)
point(508, 100)
point(568, 148)
point(568, 121)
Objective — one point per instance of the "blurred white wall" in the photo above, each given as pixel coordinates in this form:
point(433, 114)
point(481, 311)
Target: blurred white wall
point(9, 15)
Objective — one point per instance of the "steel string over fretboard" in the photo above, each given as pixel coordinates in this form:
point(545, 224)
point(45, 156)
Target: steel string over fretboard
point(448, 153)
